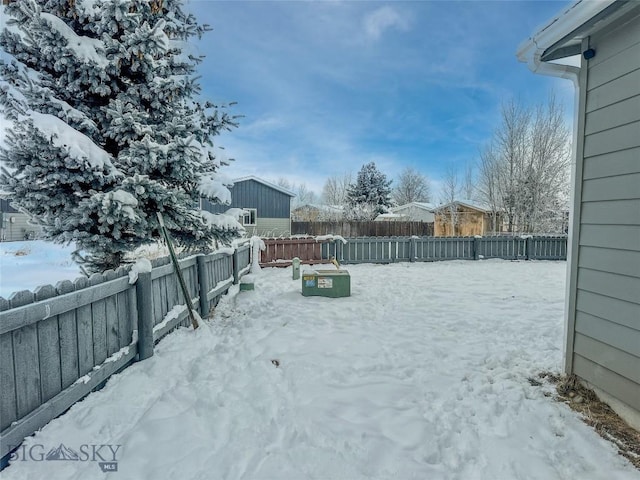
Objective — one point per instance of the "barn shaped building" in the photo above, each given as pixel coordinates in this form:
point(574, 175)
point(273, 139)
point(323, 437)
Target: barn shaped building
point(267, 206)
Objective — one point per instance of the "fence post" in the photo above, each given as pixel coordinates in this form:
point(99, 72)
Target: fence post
point(412, 249)
point(145, 315)
point(476, 247)
point(236, 267)
point(340, 249)
point(203, 284)
point(528, 248)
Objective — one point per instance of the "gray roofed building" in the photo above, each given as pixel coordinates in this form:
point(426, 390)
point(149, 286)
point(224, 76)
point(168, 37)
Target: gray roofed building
point(267, 206)
point(415, 212)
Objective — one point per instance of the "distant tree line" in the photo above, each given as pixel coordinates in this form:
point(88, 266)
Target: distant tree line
point(521, 177)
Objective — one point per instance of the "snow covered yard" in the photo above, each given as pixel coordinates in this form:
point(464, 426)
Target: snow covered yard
point(421, 373)
point(26, 265)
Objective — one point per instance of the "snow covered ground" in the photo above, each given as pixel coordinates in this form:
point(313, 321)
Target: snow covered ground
point(29, 264)
point(420, 374)
point(26, 265)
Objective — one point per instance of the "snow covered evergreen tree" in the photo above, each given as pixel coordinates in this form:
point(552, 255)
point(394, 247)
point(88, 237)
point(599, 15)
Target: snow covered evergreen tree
point(370, 195)
point(105, 128)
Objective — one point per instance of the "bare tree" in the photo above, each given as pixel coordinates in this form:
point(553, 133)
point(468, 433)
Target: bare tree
point(412, 186)
point(487, 184)
point(448, 197)
point(547, 167)
point(303, 196)
point(284, 183)
point(523, 172)
point(468, 183)
point(511, 145)
point(335, 188)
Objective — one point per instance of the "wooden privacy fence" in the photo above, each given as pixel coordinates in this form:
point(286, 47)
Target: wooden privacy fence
point(59, 343)
point(417, 249)
point(362, 229)
point(280, 251)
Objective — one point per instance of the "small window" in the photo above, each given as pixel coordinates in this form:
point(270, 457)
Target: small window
point(249, 217)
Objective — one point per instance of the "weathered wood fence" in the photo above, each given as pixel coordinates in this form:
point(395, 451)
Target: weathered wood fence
point(362, 229)
point(280, 251)
point(57, 344)
point(418, 249)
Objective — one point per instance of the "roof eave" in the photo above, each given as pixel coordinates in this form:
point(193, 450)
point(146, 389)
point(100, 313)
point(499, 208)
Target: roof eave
point(264, 182)
point(559, 38)
point(413, 204)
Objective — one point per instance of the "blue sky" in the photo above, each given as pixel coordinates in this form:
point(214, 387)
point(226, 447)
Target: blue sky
point(327, 86)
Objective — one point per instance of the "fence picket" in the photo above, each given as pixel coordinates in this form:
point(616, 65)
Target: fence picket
point(68, 335)
point(25, 359)
point(98, 324)
point(156, 306)
point(48, 348)
point(111, 309)
point(25, 353)
point(8, 407)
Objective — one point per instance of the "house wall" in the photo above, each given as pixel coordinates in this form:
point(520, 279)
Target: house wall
point(270, 227)
point(305, 214)
point(415, 214)
point(15, 226)
point(272, 208)
point(603, 334)
point(270, 203)
point(5, 206)
point(310, 214)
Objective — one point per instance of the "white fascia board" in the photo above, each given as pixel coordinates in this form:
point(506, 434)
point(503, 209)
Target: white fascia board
point(568, 20)
point(420, 205)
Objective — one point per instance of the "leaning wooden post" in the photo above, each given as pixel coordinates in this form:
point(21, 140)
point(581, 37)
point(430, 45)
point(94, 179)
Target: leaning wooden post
point(145, 315)
point(203, 283)
point(176, 267)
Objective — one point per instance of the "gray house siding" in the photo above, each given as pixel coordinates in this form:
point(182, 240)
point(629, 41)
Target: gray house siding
point(270, 203)
point(15, 225)
point(5, 206)
point(603, 344)
point(415, 213)
point(273, 207)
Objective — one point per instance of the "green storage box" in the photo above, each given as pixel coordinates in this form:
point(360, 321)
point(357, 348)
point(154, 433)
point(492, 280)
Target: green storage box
point(326, 283)
point(247, 283)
